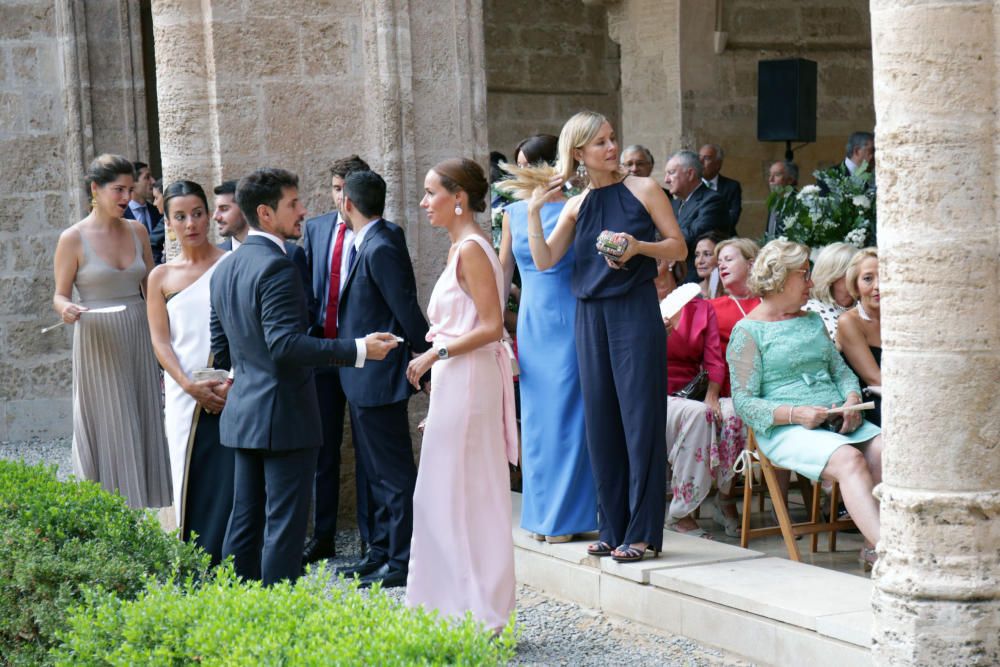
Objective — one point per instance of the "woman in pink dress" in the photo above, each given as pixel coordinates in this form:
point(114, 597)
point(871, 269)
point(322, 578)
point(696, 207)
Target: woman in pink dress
point(462, 552)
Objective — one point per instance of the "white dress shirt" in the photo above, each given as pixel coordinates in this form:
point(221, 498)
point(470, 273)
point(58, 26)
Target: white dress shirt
point(344, 255)
point(713, 184)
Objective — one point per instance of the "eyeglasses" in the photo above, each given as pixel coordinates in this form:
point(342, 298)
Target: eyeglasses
point(806, 273)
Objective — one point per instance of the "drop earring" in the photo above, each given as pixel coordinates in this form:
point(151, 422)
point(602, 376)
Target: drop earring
point(93, 202)
point(458, 208)
point(581, 171)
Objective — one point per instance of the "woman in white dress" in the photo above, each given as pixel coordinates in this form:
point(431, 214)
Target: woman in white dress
point(178, 310)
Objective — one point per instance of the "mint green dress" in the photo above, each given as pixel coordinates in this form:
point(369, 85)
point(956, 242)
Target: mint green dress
point(791, 362)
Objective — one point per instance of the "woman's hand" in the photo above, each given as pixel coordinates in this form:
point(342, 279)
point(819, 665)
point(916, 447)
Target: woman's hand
point(713, 404)
point(543, 193)
point(670, 323)
point(809, 416)
point(420, 365)
point(631, 250)
point(852, 419)
point(203, 392)
point(71, 312)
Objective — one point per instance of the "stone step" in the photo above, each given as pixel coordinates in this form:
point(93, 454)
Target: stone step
point(770, 610)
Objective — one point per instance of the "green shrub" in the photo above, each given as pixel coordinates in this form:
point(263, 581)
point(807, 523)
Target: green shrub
point(58, 538)
point(227, 622)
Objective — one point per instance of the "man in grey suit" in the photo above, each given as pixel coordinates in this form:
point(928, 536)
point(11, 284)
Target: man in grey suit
point(271, 418)
point(698, 209)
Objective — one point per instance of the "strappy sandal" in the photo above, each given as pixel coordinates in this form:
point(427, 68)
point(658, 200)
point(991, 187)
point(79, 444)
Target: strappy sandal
point(630, 554)
point(600, 549)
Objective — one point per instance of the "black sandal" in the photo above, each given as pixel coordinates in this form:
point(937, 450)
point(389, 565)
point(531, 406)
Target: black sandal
point(599, 549)
point(632, 555)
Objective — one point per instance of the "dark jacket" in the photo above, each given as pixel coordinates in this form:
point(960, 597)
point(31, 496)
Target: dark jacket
point(157, 231)
point(703, 212)
point(381, 295)
point(732, 194)
point(258, 325)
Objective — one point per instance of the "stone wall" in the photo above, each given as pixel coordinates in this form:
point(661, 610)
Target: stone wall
point(544, 62)
point(53, 120)
point(720, 91)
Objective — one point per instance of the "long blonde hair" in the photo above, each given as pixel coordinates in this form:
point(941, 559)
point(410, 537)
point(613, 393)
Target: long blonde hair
point(578, 131)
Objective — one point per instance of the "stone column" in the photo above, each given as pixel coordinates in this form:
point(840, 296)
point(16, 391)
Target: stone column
point(937, 582)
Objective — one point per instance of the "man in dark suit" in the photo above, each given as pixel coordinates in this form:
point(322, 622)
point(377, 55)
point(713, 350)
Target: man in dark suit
point(860, 150)
point(698, 209)
point(781, 174)
point(140, 208)
point(271, 418)
point(327, 242)
point(380, 294)
point(233, 229)
point(711, 157)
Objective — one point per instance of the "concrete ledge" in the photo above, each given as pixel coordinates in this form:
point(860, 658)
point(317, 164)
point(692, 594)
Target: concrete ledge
point(769, 610)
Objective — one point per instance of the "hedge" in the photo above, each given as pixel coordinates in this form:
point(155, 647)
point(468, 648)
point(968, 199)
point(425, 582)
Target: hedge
point(228, 622)
point(59, 538)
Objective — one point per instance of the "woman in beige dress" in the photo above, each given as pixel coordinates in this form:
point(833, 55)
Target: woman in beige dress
point(118, 438)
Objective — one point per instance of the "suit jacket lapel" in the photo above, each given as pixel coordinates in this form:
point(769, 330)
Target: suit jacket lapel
point(357, 260)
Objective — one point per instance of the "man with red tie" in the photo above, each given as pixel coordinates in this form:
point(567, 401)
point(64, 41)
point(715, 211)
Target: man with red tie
point(327, 243)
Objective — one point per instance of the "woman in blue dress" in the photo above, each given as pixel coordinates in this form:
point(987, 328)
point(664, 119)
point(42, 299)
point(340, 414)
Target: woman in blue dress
point(558, 494)
point(620, 340)
point(787, 374)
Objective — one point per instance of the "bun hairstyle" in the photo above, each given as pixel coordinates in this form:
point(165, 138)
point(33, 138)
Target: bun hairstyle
point(107, 168)
point(460, 174)
point(773, 264)
point(182, 189)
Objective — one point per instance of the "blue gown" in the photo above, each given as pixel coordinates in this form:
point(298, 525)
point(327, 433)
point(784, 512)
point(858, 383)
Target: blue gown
point(558, 494)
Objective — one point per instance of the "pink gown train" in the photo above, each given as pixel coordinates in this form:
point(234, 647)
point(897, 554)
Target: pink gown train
point(462, 553)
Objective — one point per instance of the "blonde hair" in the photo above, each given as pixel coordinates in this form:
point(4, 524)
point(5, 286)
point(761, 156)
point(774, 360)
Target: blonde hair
point(773, 264)
point(854, 269)
point(747, 247)
point(831, 266)
point(578, 131)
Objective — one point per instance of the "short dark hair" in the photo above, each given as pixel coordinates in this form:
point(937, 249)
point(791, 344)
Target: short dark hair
point(347, 165)
point(264, 186)
point(496, 173)
point(107, 168)
point(138, 166)
point(182, 189)
point(715, 236)
point(366, 190)
point(158, 185)
point(539, 148)
point(226, 188)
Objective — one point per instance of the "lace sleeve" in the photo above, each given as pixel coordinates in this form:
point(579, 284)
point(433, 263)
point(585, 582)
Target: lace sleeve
point(745, 370)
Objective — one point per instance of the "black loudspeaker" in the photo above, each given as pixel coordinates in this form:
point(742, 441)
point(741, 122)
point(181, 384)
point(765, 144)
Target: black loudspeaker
point(786, 100)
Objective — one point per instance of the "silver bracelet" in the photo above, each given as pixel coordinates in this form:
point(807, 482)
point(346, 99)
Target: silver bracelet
point(791, 413)
point(532, 235)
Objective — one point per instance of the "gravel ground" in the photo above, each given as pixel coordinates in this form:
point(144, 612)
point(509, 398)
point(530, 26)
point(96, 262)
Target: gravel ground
point(552, 632)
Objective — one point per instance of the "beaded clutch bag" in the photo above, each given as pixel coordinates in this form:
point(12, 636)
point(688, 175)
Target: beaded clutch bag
point(611, 244)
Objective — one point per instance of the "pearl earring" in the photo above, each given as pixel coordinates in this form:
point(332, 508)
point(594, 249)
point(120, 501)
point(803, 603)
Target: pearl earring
point(458, 209)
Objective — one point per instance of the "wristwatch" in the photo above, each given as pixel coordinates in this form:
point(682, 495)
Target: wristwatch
point(442, 351)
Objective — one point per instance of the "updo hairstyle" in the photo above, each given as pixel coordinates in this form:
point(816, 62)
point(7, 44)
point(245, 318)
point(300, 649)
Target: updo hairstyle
point(854, 269)
point(831, 265)
point(773, 264)
point(182, 189)
point(106, 168)
point(460, 174)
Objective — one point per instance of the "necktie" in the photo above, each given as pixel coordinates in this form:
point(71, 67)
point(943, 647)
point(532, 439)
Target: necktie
point(353, 256)
point(713, 185)
point(333, 293)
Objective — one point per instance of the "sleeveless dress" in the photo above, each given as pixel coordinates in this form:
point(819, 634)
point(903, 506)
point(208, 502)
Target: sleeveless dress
point(118, 438)
point(558, 494)
point(462, 551)
point(621, 350)
point(201, 468)
point(791, 362)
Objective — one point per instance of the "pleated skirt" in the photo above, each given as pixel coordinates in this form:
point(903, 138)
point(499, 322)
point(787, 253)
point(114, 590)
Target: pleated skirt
point(118, 436)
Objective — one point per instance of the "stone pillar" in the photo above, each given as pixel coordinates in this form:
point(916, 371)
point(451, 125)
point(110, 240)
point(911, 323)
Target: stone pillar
point(937, 582)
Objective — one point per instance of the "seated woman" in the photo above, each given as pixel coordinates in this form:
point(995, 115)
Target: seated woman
point(178, 311)
point(704, 437)
point(860, 335)
point(786, 375)
point(706, 265)
point(830, 297)
point(735, 258)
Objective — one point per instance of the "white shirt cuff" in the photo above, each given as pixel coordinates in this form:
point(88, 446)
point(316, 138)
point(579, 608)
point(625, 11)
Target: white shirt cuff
point(362, 352)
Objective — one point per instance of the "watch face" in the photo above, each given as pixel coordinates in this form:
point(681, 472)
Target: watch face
point(442, 352)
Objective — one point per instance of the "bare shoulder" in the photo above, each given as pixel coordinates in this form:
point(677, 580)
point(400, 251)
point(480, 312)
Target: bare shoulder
point(472, 252)
point(137, 227)
point(71, 235)
point(573, 204)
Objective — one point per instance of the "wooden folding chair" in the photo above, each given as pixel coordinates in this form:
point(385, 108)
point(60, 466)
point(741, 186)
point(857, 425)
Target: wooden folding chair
point(785, 527)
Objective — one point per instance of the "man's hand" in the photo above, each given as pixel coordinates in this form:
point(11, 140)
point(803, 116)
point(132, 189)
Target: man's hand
point(377, 345)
